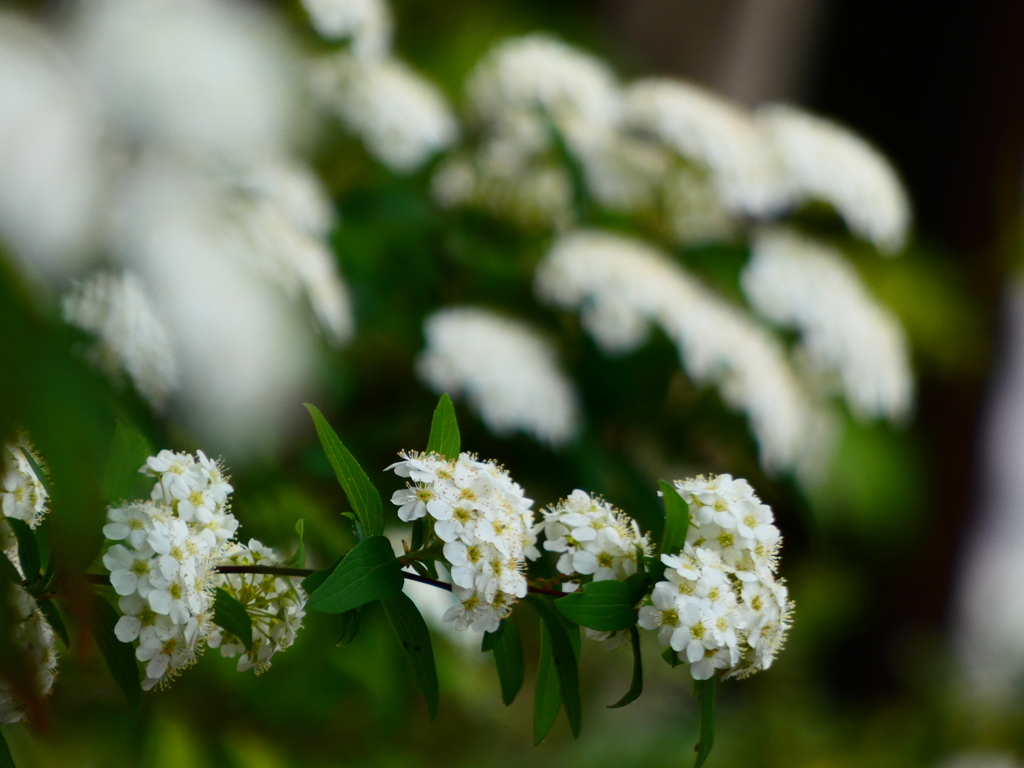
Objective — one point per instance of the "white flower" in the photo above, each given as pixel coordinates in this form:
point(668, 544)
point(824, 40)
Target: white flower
point(276, 605)
point(662, 614)
point(828, 162)
point(508, 372)
point(402, 118)
point(140, 621)
point(806, 285)
point(131, 523)
point(22, 494)
point(132, 570)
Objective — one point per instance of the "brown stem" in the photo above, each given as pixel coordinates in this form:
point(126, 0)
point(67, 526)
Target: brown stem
point(274, 570)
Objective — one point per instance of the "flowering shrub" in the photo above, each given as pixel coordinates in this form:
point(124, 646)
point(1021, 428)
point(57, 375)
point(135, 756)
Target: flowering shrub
point(182, 582)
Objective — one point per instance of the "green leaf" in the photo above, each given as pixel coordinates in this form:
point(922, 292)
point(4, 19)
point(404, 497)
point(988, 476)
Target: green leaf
point(547, 698)
point(316, 578)
point(53, 574)
point(565, 651)
point(361, 493)
point(298, 560)
point(639, 584)
point(444, 430)
point(120, 657)
point(128, 453)
point(507, 650)
point(636, 687)
point(348, 626)
point(412, 633)
point(602, 605)
point(677, 520)
point(671, 657)
point(52, 615)
point(28, 549)
point(369, 572)
point(232, 616)
point(6, 761)
point(705, 690)
point(357, 528)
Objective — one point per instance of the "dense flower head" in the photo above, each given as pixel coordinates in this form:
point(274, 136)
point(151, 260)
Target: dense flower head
point(163, 557)
point(593, 538)
point(721, 605)
point(595, 542)
point(32, 636)
point(22, 494)
point(486, 523)
point(276, 605)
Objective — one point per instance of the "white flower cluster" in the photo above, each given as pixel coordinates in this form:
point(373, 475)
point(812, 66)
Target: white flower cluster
point(402, 118)
point(23, 497)
point(621, 286)
point(275, 604)
point(593, 539)
point(130, 336)
point(162, 564)
point(285, 217)
point(799, 283)
point(508, 372)
point(517, 92)
point(721, 605)
point(718, 136)
point(367, 24)
point(825, 161)
point(484, 519)
point(22, 494)
point(32, 635)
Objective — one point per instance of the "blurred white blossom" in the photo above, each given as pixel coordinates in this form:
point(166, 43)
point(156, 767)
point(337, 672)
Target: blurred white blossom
point(32, 636)
point(50, 169)
point(367, 24)
point(717, 137)
point(830, 163)
point(209, 79)
point(799, 283)
point(130, 337)
point(621, 286)
point(507, 371)
point(402, 118)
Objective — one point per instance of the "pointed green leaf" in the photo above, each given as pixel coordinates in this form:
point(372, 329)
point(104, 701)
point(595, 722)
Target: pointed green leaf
point(348, 626)
point(705, 690)
point(412, 633)
point(507, 650)
point(298, 560)
point(128, 453)
point(120, 657)
point(28, 549)
point(547, 697)
point(361, 493)
point(565, 650)
point(357, 528)
point(444, 430)
point(6, 761)
point(231, 616)
point(369, 572)
point(49, 610)
point(602, 605)
point(636, 687)
point(671, 657)
point(677, 520)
